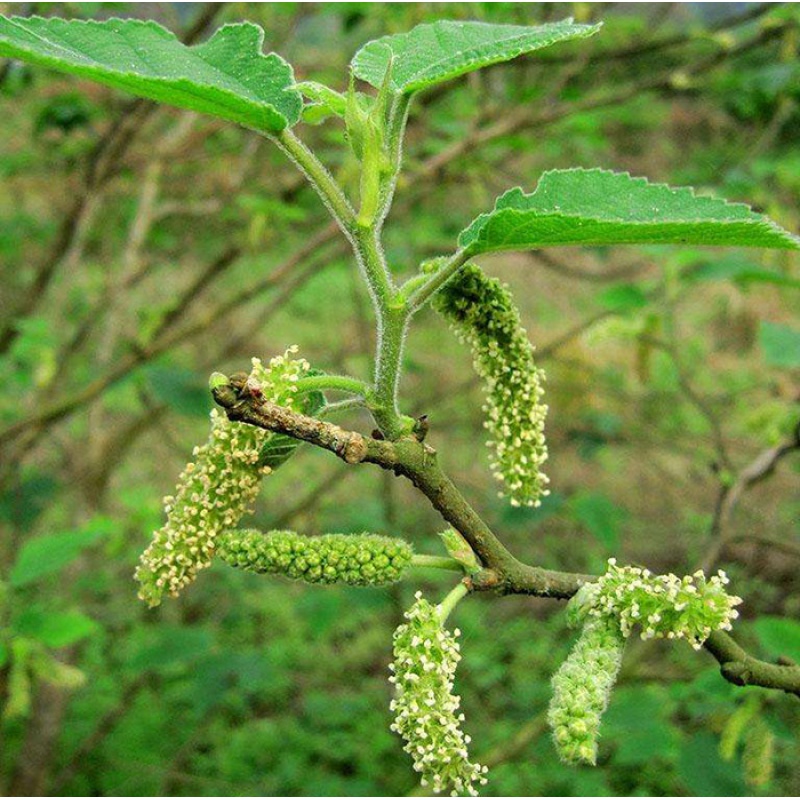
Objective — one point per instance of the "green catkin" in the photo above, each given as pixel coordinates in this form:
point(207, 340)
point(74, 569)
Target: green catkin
point(665, 606)
point(481, 311)
point(582, 688)
point(426, 710)
point(355, 559)
point(758, 755)
point(216, 489)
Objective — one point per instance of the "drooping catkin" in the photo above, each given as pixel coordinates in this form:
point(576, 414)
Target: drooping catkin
point(215, 490)
point(426, 710)
point(355, 559)
point(582, 689)
point(482, 313)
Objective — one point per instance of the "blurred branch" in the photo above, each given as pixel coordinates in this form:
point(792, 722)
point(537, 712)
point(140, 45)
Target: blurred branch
point(101, 166)
point(760, 468)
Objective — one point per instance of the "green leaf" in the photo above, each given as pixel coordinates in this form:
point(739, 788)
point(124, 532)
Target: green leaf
point(46, 554)
point(779, 636)
point(780, 343)
point(434, 53)
point(181, 389)
point(55, 630)
point(623, 297)
point(227, 76)
point(600, 207)
point(600, 516)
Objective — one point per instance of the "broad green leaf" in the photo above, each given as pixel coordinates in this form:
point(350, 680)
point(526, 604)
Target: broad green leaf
point(46, 554)
point(600, 207)
point(227, 76)
point(779, 636)
point(55, 629)
point(436, 52)
point(780, 343)
point(181, 389)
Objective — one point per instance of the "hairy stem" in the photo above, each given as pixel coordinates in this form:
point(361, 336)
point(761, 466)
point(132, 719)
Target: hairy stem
point(451, 601)
point(336, 383)
point(436, 562)
point(422, 292)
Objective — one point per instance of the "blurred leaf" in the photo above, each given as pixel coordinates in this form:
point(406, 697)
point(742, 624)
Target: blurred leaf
point(623, 297)
point(46, 554)
point(436, 52)
point(600, 516)
point(703, 771)
point(780, 343)
point(169, 645)
point(227, 76)
point(599, 207)
point(23, 502)
point(779, 636)
point(740, 270)
point(182, 390)
point(55, 629)
point(638, 722)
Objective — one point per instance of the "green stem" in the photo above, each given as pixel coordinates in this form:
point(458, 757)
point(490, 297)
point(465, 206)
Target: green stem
point(337, 383)
point(341, 405)
point(421, 293)
point(319, 177)
point(451, 601)
point(436, 562)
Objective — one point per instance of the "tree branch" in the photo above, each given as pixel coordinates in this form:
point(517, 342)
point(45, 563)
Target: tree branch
point(502, 572)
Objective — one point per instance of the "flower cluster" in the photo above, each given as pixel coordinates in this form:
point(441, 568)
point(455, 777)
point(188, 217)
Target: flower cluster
point(426, 710)
point(665, 606)
point(482, 313)
point(216, 489)
point(582, 688)
point(356, 559)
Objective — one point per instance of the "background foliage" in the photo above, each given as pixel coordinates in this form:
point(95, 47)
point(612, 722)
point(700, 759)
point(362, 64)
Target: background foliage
point(141, 248)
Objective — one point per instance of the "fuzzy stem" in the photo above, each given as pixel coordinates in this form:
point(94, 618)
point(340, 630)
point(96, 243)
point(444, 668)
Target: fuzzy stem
point(420, 293)
point(436, 562)
point(318, 176)
point(451, 601)
point(337, 383)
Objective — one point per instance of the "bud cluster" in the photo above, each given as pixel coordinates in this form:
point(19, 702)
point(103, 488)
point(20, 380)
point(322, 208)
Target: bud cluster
point(356, 559)
point(665, 606)
point(426, 710)
point(215, 490)
point(582, 688)
point(482, 314)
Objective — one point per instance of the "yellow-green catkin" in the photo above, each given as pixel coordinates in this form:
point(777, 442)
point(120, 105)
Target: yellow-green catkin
point(758, 754)
point(426, 709)
point(481, 311)
point(216, 489)
point(664, 606)
point(582, 689)
point(355, 559)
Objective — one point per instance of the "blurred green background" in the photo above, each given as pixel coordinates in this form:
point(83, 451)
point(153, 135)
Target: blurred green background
point(141, 248)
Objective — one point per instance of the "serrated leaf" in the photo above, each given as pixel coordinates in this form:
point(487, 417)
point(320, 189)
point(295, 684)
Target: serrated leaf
point(599, 207)
point(46, 554)
point(780, 343)
point(278, 448)
point(227, 76)
point(436, 52)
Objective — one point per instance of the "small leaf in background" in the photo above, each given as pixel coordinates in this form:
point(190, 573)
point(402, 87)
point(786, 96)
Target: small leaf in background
point(26, 498)
point(704, 773)
point(168, 646)
point(180, 389)
point(600, 516)
point(779, 636)
point(780, 343)
point(740, 270)
point(438, 51)
point(600, 207)
point(54, 629)
point(227, 76)
point(46, 554)
point(623, 297)
point(638, 722)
